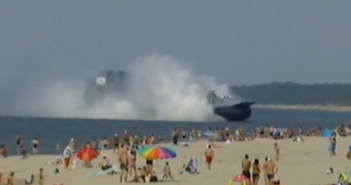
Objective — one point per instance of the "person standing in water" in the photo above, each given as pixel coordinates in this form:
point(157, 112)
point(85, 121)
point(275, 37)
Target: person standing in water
point(35, 146)
point(18, 143)
point(209, 155)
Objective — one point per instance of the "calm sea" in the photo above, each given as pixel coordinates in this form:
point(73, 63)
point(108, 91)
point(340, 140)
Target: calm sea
point(50, 131)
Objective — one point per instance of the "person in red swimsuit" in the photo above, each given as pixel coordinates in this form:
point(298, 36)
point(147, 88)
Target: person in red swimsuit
point(209, 154)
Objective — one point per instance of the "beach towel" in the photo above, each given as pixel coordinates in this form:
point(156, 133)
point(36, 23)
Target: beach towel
point(113, 169)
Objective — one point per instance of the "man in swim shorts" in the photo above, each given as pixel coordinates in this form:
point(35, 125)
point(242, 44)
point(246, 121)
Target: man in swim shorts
point(209, 154)
point(246, 166)
point(123, 161)
point(270, 169)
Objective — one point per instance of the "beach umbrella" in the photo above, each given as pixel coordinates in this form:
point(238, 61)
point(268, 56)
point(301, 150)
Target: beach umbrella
point(208, 133)
point(239, 178)
point(88, 154)
point(328, 133)
point(157, 152)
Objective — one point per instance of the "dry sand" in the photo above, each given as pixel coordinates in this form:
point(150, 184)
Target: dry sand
point(302, 163)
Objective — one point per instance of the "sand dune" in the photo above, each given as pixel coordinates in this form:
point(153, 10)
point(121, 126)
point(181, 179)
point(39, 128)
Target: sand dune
point(301, 163)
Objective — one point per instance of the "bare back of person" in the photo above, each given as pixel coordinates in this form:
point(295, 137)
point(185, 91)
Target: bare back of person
point(209, 155)
point(209, 152)
point(246, 166)
point(270, 169)
point(123, 161)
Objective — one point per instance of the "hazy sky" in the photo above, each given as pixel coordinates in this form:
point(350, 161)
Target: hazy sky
point(237, 41)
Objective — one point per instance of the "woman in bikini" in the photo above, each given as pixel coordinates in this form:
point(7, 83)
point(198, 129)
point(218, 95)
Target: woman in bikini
point(132, 163)
point(256, 170)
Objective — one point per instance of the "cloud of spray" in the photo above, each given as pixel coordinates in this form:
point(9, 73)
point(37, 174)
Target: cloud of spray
point(159, 88)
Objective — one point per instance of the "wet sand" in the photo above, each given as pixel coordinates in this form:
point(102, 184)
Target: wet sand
point(300, 163)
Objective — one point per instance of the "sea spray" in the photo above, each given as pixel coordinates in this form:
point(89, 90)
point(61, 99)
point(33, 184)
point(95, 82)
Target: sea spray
point(160, 88)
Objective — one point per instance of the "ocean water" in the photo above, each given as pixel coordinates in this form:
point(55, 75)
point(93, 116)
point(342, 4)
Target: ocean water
point(51, 131)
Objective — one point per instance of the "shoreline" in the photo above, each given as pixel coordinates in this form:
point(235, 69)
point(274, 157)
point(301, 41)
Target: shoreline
point(329, 108)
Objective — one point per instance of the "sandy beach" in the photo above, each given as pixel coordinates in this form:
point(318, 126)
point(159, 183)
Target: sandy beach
point(300, 163)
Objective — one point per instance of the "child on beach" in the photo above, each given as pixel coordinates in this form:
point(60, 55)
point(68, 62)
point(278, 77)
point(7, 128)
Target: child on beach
point(167, 174)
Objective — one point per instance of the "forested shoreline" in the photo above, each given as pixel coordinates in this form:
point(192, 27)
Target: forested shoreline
point(290, 93)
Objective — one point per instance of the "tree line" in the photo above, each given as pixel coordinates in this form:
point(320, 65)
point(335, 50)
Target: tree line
point(290, 93)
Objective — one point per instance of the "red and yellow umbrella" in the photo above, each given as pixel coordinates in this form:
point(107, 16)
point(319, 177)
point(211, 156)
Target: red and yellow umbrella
point(88, 154)
point(239, 178)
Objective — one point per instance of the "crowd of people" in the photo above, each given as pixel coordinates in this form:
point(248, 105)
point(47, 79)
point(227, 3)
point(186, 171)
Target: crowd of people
point(125, 146)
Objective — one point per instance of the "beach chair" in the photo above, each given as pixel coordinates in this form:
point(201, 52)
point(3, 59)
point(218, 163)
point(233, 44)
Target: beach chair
point(192, 167)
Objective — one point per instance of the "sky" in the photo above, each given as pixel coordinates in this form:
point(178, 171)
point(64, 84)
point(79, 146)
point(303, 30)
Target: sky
point(237, 42)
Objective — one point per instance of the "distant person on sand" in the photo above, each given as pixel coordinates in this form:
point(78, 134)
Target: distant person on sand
point(246, 166)
point(72, 145)
point(270, 169)
point(332, 146)
point(209, 155)
point(277, 151)
point(175, 136)
point(23, 151)
point(256, 170)
point(35, 146)
point(123, 161)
